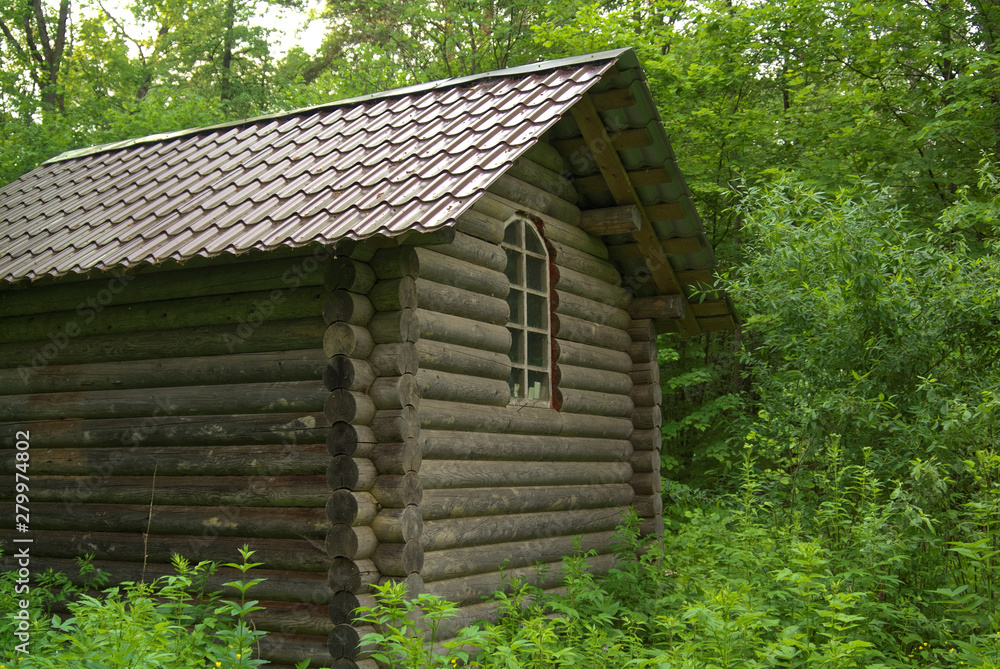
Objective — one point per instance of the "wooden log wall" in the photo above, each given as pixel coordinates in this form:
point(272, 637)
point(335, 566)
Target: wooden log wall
point(511, 485)
point(647, 421)
point(188, 404)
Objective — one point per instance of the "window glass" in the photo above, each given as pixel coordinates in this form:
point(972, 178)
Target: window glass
point(530, 323)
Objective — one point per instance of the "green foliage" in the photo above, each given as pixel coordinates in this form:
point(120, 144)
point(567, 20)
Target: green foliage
point(170, 622)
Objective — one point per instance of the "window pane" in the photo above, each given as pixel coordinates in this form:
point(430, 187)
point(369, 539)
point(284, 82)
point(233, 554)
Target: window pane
point(512, 270)
point(517, 346)
point(512, 235)
point(537, 386)
point(532, 242)
point(537, 311)
point(514, 301)
point(516, 383)
point(535, 269)
point(537, 354)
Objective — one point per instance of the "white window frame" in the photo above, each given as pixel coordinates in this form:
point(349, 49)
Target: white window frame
point(530, 322)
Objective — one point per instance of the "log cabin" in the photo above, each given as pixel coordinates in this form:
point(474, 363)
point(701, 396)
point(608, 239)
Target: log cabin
point(410, 335)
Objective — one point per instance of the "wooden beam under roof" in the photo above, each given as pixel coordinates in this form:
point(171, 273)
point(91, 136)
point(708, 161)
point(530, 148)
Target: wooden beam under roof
point(595, 135)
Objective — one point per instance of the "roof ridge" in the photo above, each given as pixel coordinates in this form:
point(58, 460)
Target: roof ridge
point(439, 84)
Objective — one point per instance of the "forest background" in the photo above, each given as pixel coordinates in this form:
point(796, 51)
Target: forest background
point(831, 471)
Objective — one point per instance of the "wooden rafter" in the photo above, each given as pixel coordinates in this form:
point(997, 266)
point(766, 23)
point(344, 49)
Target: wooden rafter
point(596, 137)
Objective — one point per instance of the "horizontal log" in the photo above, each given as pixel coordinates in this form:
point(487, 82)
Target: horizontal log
point(293, 428)
point(600, 427)
point(475, 306)
point(648, 506)
point(342, 438)
point(395, 425)
point(398, 526)
point(477, 587)
point(353, 341)
point(597, 268)
point(213, 370)
point(342, 371)
point(291, 618)
point(130, 288)
point(454, 445)
point(348, 406)
point(659, 307)
point(645, 418)
point(291, 554)
point(247, 460)
point(395, 392)
point(710, 308)
point(398, 458)
point(592, 334)
point(393, 359)
point(593, 357)
point(444, 357)
point(647, 373)
point(647, 395)
point(242, 313)
point(286, 586)
point(581, 307)
point(646, 483)
point(343, 305)
point(533, 197)
point(268, 523)
point(651, 527)
point(345, 472)
point(469, 502)
point(478, 225)
point(542, 153)
point(393, 491)
point(439, 415)
point(568, 377)
point(436, 385)
point(394, 294)
point(593, 403)
point(464, 532)
point(351, 507)
point(399, 559)
point(298, 333)
point(551, 181)
point(648, 439)
point(342, 642)
point(552, 228)
point(645, 462)
point(440, 268)
point(345, 273)
point(463, 332)
point(642, 351)
point(394, 327)
point(353, 543)
point(492, 557)
point(283, 650)
point(439, 474)
point(642, 329)
point(271, 491)
point(343, 606)
point(185, 400)
point(475, 251)
point(581, 284)
point(631, 138)
point(621, 220)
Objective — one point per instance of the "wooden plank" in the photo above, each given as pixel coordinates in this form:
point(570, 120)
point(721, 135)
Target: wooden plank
point(463, 503)
point(611, 167)
point(621, 220)
point(710, 308)
point(618, 98)
point(665, 212)
point(659, 307)
point(631, 138)
point(717, 323)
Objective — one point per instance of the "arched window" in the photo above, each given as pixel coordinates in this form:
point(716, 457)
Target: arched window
point(529, 325)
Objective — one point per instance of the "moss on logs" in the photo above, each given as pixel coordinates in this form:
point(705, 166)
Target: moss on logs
point(467, 502)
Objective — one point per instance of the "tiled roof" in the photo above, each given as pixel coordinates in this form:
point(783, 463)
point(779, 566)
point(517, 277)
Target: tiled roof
point(410, 159)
